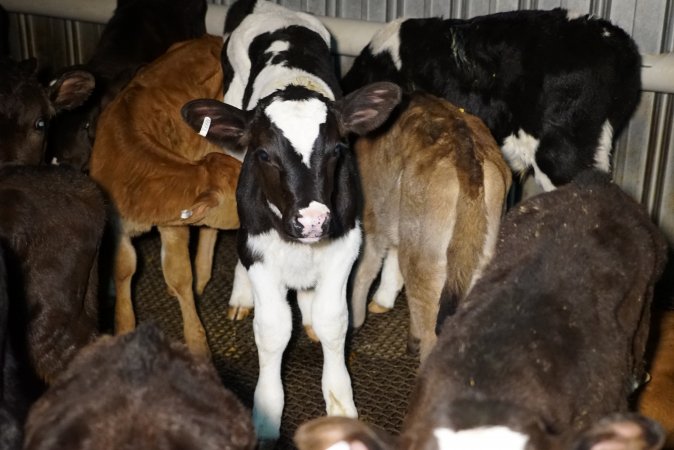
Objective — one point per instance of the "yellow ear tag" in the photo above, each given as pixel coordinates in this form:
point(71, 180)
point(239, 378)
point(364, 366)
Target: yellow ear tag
point(205, 126)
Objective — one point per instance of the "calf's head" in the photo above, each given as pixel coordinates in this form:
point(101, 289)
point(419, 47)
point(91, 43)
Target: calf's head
point(297, 164)
point(26, 108)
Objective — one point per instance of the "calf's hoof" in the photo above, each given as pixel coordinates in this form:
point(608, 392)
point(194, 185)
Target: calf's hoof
point(376, 308)
point(201, 287)
point(238, 312)
point(311, 334)
point(413, 346)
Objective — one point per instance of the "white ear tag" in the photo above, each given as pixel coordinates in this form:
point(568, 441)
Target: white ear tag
point(185, 214)
point(205, 126)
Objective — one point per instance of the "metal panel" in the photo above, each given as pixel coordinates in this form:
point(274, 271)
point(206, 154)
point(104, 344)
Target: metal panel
point(644, 157)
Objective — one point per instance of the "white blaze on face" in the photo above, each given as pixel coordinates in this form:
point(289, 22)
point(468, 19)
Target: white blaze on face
point(300, 122)
point(387, 39)
point(485, 438)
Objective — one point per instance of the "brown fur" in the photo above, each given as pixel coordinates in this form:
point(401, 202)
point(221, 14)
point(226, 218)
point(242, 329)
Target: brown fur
point(657, 398)
point(139, 391)
point(434, 186)
point(154, 166)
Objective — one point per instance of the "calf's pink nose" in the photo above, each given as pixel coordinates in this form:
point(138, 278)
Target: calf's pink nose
point(312, 219)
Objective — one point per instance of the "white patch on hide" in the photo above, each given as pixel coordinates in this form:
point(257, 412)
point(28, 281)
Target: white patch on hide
point(278, 47)
point(485, 438)
point(602, 155)
point(298, 265)
point(277, 77)
point(519, 150)
point(387, 39)
point(542, 179)
point(573, 15)
point(300, 122)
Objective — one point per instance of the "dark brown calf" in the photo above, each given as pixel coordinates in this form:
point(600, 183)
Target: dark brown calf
point(139, 391)
point(26, 107)
point(547, 347)
point(51, 226)
point(10, 434)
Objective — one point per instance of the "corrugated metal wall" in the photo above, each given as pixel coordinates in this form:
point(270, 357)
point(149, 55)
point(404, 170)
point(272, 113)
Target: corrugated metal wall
point(644, 159)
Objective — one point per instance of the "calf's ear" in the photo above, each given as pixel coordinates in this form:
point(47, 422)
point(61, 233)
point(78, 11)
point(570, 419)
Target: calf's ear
point(218, 122)
point(71, 89)
point(340, 433)
point(628, 431)
point(368, 108)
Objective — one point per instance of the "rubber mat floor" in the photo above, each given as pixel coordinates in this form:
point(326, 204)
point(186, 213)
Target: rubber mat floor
point(382, 373)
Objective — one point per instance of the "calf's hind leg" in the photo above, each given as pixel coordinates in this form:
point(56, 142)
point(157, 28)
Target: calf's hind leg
point(177, 271)
point(390, 285)
point(125, 267)
point(203, 262)
point(367, 270)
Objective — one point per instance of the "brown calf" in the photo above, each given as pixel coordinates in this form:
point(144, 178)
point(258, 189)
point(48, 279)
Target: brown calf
point(545, 350)
point(158, 172)
point(657, 398)
point(434, 187)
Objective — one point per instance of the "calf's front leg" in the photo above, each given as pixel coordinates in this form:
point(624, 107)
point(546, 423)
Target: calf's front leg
point(272, 326)
point(330, 319)
point(241, 299)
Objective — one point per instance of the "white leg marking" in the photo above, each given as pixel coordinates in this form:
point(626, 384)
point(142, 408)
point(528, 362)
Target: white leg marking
point(272, 326)
point(391, 280)
point(304, 301)
point(242, 291)
point(602, 156)
point(542, 179)
point(330, 319)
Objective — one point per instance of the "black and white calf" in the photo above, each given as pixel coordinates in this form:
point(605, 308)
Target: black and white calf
point(556, 90)
point(298, 193)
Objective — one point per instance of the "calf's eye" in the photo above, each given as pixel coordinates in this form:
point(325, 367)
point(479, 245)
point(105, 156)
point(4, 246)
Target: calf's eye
point(338, 150)
point(40, 124)
point(262, 155)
